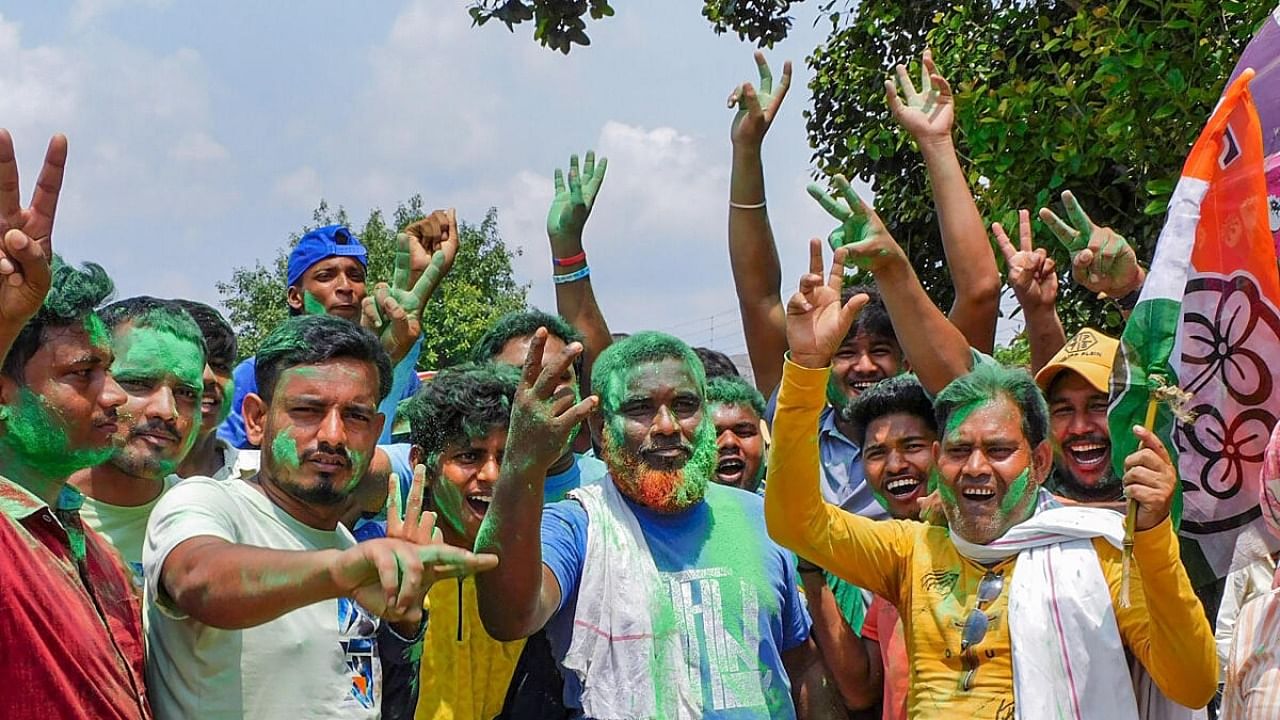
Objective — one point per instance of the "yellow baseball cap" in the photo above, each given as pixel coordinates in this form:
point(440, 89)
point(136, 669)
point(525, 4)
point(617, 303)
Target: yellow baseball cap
point(1088, 353)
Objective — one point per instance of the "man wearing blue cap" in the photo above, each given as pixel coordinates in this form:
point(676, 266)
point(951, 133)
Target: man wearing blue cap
point(327, 276)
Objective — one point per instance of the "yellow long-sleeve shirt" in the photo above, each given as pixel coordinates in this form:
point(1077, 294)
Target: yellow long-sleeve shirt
point(465, 673)
point(917, 568)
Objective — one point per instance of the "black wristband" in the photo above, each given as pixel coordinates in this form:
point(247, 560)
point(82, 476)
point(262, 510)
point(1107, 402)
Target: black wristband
point(1128, 302)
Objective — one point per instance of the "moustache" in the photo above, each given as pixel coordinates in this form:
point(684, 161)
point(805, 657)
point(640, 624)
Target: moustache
point(327, 454)
point(162, 428)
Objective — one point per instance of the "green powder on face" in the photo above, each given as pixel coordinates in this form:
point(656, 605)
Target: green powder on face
point(947, 492)
point(35, 436)
point(228, 394)
point(311, 305)
point(284, 450)
point(1016, 492)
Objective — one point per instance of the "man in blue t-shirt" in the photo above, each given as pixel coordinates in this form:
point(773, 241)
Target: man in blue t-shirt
point(507, 341)
point(661, 591)
point(327, 276)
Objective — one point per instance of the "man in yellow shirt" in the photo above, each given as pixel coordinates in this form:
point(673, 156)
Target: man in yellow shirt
point(984, 641)
point(458, 426)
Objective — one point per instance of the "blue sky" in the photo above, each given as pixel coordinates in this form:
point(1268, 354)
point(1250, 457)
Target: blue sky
point(201, 138)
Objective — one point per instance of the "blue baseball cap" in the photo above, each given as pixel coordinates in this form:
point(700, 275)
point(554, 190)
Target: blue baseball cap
point(322, 243)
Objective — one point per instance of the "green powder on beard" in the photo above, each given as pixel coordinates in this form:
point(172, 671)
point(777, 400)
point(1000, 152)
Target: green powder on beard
point(36, 436)
point(312, 305)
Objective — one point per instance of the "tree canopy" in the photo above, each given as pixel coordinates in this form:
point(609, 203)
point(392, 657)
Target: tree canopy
point(480, 288)
point(1100, 97)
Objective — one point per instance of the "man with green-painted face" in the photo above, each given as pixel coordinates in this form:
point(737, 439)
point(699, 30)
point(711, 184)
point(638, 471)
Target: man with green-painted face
point(1015, 609)
point(70, 625)
point(623, 566)
point(159, 361)
point(259, 604)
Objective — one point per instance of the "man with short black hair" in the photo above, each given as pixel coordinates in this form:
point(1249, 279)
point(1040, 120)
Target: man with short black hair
point(159, 362)
point(70, 624)
point(249, 579)
point(211, 456)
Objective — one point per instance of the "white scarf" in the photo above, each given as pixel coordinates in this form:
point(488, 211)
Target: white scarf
point(613, 651)
point(1068, 658)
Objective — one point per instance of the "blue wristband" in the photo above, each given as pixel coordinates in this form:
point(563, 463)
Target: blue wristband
point(574, 276)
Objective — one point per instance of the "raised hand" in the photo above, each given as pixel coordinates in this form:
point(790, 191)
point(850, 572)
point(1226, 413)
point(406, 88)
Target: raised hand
point(434, 234)
point(1150, 479)
point(1031, 272)
point(26, 246)
point(572, 203)
point(394, 313)
point(817, 322)
point(1101, 259)
point(757, 108)
point(543, 419)
point(861, 232)
point(927, 113)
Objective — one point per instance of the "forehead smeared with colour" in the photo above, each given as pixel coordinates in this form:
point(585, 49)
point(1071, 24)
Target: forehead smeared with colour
point(613, 370)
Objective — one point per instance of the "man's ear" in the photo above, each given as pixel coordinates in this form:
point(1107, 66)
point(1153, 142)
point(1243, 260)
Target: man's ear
point(415, 456)
point(254, 410)
point(8, 390)
point(293, 296)
point(1042, 461)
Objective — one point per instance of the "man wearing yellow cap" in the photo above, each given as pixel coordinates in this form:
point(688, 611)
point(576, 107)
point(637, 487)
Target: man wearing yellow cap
point(1076, 383)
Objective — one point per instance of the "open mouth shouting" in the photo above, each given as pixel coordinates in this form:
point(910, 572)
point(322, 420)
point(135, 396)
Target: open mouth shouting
point(731, 470)
point(862, 384)
point(904, 487)
point(478, 502)
point(1088, 453)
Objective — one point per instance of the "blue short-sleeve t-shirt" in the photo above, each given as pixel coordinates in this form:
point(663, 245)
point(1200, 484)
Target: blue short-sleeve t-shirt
point(734, 587)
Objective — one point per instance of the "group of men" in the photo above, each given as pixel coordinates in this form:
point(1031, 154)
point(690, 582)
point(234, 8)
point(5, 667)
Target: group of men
point(882, 522)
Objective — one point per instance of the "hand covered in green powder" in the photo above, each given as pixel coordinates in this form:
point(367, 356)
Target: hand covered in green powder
point(542, 417)
point(927, 113)
point(391, 576)
point(1101, 259)
point(573, 201)
point(26, 247)
point(1031, 272)
point(1150, 479)
point(393, 313)
point(434, 234)
point(817, 322)
point(757, 108)
point(861, 232)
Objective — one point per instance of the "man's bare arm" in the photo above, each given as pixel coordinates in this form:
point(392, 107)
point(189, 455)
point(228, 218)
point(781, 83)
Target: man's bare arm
point(753, 256)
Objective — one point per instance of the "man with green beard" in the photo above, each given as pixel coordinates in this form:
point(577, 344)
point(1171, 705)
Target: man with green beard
point(660, 591)
point(159, 361)
point(70, 624)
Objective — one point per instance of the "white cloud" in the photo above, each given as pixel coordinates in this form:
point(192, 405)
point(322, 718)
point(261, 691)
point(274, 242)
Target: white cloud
point(197, 147)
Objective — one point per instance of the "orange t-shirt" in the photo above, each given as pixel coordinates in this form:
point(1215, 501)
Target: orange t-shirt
point(885, 627)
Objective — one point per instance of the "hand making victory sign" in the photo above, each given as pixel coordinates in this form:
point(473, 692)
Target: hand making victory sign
point(1101, 259)
point(758, 108)
point(817, 322)
point(927, 113)
point(26, 248)
point(861, 232)
point(541, 418)
point(394, 312)
point(1031, 272)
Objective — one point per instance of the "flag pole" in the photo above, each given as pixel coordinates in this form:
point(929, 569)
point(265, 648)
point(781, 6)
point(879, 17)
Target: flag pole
point(1131, 517)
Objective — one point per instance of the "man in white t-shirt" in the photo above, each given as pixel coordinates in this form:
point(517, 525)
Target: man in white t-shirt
point(160, 363)
point(258, 603)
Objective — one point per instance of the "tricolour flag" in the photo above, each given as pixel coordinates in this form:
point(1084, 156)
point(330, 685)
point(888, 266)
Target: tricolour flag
point(1208, 321)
